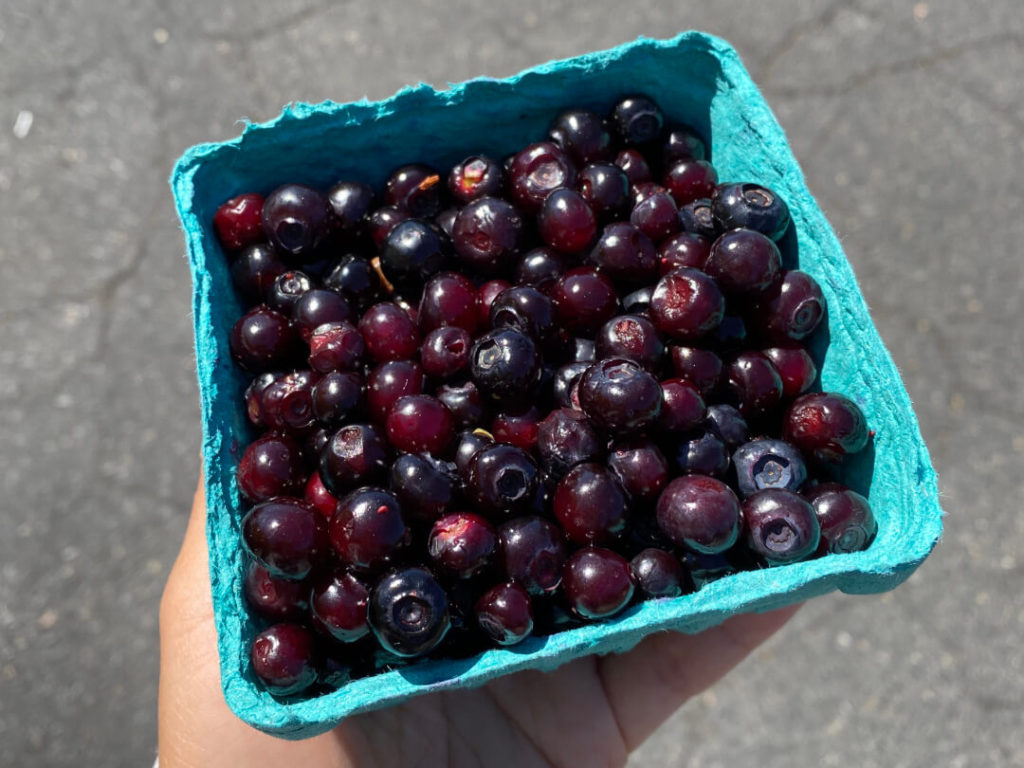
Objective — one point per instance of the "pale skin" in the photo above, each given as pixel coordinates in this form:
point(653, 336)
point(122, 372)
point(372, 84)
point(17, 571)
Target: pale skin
point(590, 712)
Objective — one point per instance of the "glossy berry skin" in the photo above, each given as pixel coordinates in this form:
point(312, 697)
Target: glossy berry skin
point(619, 396)
point(409, 612)
point(390, 381)
point(287, 289)
point(796, 369)
point(254, 396)
point(684, 249)
point(524, 309)
point(825, 426)
point(565, 383)
point(539, 268)
point(356, 280)
point(845, 517)
point(488, 292)
point(634, 165)
point(597, 582)
point(584, 300)
point(500, 478)
point(414, 188)
point(412, 252)
point(339, 601)
point(699, 513)
point(566, 222)
point(318, 497)
point(754, 383)
point(350, 202)
point(381, 221)
point(420, 423)
point(336, 346)
point(449, 299)
point(750, 206)
point(639, 466)
point(389, 333)
point(465, 403)
point(658, 573)
point(518, 428)
point(768, 463)
point(582, 135)
point(368, 529)
point(687, 304)
point(462, 544)
point(273, 597)
point(565, 438)
point(475, 177)
point(505, 365)
point(271, 466)
point(295, 220)
point(487, 235)
point(728, 423)
point(238, 223)
point(468, 443)
point(254, 270)
point(781, 526)
point(532, 553)
point(317, 307)
point(744, 263)
point(791, 310)
point(656, 215)
point(286, 404)
point(702, 367)
point(355, 455)
point(286, 536)
point(625, 254)
point(445, 352)
point(682, 406)
point(284, 658)
point(424, 486)
point(696, 219)
point(263, 339)
point(536, 171)
point(690, 180)
point(702, 452)
point(683, 143)
point(505, 614)
point(589, 504)
point(637, 119)
point(605, 188)
point(638, 302)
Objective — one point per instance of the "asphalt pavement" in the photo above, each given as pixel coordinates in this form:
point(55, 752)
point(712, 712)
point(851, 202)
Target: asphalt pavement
point(908, 121)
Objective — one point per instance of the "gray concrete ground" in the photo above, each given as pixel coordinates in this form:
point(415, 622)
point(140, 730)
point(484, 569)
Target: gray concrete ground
point(908, 121)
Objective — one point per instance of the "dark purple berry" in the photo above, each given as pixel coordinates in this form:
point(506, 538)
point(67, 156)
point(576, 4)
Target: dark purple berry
point(702, 452)
point(682, 406)
point(687, 304)
point(768, 463)
point(287, 289)
point(846, 520)
point(390, 381)
point(415, 189)
point(626, 254)
point(619, 396)
point(446, 352)
point(750, 206)
point(638, 302)
point(683, 250)
point(464, 401)
point(754, 383)
point(449, 299)
point(339, 601)
point(633, 164)
point(696, 219)
point(589, 504)
point(564, 385)
point(389, 333)
point(582, 135)
point(271, 466)
point(505, 614)
point(469, 443)
point(296, 219)
point(532, 553)
point(539, 268)
point(689, 180)
point(683, 143)
point(381, 221)
point(656, 215)
point(584, 300)
point(728, 423)
point(286, 404)
point(487, 235)
point(424, 486)
point(317, 307)
point(505, 365)
point(825, 426)
point(639, 466)
point(524, 309)
point(780, 526)
point(500, 478)
point(351, 202)
point(336, 346)
point(263, 339)
point(287, 537)
point(633, 338)
point(355, 455)
point(699, 513)
point(597, 582)
point(566, 438)
point(356, 280)
point(238, 223)
point(744, 263)
point(791, 310)
point(420, 423)
point(701, 367)
point(605, 188)
point(536, 171)
point(367, 529)
point(796, 369)
point(254, 396)
point(566, 222)
point(462, 544)
point(409, 612)
point(518, 427)
point(254, 271)
point(638, 119)
point(475, 177)
point(284, 659)
point(659, 574)
point(273, 597)
point(318, 497)
point(412, 252)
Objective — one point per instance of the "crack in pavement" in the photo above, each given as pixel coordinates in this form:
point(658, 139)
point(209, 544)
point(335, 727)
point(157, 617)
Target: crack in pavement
point(795, 34)
point(274, 28)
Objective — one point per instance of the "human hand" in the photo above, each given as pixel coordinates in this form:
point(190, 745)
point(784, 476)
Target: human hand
point(591, 712)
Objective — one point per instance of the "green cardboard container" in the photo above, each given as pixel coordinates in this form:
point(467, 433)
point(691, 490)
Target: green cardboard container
point(697, 79)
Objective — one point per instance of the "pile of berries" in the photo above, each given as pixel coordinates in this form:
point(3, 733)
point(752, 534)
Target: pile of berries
point(521, 395)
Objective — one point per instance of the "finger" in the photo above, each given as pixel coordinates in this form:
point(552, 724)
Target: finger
point(196, 726)
point(646, 685)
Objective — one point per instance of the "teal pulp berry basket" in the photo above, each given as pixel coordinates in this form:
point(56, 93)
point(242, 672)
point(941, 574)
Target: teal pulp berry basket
point(698, 80)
